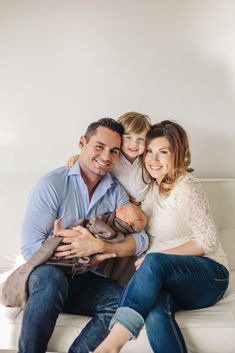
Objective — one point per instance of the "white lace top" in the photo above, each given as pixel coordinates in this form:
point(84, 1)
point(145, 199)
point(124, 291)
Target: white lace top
point(181, 216)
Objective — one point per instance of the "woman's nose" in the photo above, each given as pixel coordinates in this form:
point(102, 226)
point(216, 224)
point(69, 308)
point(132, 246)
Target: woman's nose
point(155, 156)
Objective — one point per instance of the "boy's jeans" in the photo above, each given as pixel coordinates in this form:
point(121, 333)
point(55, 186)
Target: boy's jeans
point(51, 292)
point(162, 285)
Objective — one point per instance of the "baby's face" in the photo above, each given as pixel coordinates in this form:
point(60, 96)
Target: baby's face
point(133, 145)
point(132, 215)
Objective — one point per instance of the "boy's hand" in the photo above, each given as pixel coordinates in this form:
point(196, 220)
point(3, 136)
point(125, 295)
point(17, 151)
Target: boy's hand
point(71, 161)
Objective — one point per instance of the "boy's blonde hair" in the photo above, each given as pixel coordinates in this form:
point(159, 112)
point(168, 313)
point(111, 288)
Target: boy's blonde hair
point(135, 123)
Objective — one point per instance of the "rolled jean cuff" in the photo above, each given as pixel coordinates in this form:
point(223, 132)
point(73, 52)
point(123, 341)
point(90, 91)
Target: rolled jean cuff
point(128, 318)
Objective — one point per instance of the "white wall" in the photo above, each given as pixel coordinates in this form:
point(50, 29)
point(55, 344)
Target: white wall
point(66, 63)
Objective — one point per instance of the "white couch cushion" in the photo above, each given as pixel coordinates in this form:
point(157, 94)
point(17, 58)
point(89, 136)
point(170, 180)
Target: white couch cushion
point(221, 194)
point(204, 330)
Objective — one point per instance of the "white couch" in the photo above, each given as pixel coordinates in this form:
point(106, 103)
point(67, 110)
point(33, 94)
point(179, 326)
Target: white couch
point(210, 330)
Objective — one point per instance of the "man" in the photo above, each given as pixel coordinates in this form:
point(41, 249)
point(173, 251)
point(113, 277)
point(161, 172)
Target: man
point(85, 190)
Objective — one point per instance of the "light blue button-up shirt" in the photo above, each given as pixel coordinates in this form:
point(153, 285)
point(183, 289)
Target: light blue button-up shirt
point(63, 194)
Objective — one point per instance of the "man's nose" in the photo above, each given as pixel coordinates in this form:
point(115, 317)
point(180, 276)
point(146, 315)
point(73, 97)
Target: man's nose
point(105, 155)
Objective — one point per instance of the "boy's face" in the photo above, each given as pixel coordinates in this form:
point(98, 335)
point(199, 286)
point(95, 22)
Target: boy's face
point(133, 145)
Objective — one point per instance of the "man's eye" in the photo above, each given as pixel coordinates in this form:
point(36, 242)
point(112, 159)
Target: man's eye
point(116, 152)
point(99, 147)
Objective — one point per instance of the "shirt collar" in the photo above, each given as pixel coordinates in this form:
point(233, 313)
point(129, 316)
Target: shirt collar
point(124, 160)
point(75, 170)
point(106, 180)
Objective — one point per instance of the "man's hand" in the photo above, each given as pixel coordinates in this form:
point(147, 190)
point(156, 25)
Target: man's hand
point(79, 243)
point(139, 262)
point(98, 258)
point(68, 232)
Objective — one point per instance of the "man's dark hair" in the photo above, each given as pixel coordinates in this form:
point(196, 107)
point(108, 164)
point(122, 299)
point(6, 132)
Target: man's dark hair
point(109, 123)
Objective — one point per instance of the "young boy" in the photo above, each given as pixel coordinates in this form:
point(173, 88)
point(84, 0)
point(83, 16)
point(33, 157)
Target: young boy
point(128, 169)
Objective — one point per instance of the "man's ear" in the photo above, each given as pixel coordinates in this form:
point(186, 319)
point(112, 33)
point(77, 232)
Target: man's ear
point(82, 142)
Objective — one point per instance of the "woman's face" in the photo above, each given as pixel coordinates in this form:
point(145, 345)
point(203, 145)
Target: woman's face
point(158, 159)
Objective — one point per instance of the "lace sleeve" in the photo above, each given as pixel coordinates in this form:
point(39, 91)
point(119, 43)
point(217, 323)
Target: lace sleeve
point(193, 206)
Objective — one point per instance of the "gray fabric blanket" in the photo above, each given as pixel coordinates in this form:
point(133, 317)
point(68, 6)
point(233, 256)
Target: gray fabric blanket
point(106, 227)
point(14, 292)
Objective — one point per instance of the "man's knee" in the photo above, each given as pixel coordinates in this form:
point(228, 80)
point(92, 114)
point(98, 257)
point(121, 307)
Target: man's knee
point(49, 280)
point(109, 302)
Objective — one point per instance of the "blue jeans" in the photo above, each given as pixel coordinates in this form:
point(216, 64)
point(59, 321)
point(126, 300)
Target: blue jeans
point(51, 292)
point(162, 285)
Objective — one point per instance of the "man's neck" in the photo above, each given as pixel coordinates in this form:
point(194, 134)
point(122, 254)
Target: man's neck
point(90, 182)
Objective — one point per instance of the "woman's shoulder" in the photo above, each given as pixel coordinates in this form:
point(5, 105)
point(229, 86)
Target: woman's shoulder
point(187, 182)
point(189, 186)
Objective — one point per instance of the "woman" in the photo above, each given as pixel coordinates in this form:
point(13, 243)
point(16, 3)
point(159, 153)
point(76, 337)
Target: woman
point(186, 267)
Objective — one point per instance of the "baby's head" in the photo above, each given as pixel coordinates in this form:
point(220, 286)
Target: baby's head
point(136, 126)
point(132, 215)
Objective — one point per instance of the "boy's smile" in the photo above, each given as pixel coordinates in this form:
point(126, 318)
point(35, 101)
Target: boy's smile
point(133, 145)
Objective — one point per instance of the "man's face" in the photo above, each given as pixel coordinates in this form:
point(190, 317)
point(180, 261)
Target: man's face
point(100, 154)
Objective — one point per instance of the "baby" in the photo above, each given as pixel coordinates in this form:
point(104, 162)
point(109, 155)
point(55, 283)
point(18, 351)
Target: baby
point(110, 227)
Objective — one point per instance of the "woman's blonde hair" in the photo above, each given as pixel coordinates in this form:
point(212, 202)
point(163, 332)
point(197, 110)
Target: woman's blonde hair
point(134, 123)
point(179, 148)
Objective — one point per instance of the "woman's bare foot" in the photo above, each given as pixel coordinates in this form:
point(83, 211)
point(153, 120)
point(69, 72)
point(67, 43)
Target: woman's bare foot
point(116, 339)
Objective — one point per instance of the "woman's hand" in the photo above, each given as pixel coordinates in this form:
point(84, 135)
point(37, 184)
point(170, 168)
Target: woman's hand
point(71, 161)
point(139, 262)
